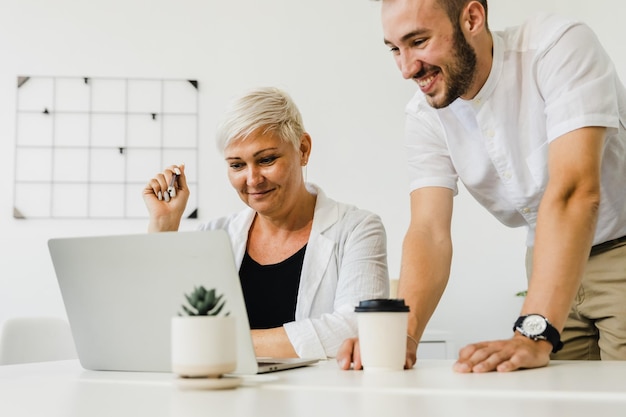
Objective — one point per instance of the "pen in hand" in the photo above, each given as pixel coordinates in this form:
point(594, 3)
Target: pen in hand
point(171, 189)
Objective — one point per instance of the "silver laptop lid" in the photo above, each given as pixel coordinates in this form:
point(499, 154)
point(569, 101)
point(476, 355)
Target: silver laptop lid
point(121, 291)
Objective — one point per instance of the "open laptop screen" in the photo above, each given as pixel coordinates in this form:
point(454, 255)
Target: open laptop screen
point(121, 291)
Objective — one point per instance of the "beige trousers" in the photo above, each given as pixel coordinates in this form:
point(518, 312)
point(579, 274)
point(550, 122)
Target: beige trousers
point(596, 326)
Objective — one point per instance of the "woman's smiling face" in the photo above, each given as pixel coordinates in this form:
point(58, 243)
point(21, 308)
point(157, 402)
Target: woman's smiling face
point(266, 171)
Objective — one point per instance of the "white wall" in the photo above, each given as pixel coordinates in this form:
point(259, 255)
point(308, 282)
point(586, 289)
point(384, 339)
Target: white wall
point(329, 55)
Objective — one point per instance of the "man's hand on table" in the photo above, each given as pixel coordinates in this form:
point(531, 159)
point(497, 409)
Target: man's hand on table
point(519, 352)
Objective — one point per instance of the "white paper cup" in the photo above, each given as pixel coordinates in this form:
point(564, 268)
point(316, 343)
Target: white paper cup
point(382, 325)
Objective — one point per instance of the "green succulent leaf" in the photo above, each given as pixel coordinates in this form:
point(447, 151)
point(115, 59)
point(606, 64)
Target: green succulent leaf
point(217, 309)
point(203, 302)
point(188, 311)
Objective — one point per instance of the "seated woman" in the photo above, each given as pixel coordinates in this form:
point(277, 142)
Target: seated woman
point(304, 259)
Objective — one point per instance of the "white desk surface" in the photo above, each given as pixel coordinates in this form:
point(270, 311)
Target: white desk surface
point(563, 389)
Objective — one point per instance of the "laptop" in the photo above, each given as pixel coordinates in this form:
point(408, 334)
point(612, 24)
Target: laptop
point(121, 291)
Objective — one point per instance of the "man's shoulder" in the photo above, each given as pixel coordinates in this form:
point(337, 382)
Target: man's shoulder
point(537, 30)
point(418, 105)
point(423, 118)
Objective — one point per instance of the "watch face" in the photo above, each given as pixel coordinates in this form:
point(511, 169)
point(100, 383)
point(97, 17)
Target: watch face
point(534, 325)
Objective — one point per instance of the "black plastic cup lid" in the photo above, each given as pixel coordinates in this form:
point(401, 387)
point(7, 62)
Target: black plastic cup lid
point(382, 304)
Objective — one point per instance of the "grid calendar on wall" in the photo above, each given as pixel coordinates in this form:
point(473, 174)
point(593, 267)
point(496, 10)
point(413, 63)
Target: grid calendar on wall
point(86, 147)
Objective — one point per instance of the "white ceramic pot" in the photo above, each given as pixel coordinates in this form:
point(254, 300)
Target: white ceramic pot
point(203, 346)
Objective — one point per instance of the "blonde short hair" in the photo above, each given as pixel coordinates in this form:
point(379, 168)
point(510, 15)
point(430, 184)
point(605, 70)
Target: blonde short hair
point(266, 108)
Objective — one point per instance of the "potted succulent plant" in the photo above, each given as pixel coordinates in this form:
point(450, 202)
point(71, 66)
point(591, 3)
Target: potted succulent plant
point(203, 337)
point(203, 302)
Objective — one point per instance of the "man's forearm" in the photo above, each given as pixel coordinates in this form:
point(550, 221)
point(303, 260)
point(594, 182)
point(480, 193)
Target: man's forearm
point(565, 231)
point(566, 223)
point(423, 278)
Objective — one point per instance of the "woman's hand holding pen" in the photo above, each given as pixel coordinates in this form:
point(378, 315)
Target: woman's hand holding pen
point(166, 197)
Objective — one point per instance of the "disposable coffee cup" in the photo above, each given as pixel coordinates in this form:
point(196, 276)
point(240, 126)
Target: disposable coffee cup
point(382, 326)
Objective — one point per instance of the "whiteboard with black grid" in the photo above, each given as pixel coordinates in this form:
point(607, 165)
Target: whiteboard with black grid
point(86, 147)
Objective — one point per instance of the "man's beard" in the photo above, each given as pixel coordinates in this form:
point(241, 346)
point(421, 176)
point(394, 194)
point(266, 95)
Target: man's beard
point(460, 73)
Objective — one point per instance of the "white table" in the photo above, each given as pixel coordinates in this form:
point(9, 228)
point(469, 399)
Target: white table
point(563, 389)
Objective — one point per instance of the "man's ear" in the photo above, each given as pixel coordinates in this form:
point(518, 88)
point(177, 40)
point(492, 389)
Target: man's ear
point(473, 17)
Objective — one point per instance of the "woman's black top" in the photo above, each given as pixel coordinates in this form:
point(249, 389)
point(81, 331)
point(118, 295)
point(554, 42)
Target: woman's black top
point(271, 291)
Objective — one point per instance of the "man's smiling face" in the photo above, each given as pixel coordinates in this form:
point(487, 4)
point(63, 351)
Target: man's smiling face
point(429, 49)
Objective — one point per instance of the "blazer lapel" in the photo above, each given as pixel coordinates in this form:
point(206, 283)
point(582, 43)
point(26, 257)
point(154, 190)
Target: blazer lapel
point(319, 252)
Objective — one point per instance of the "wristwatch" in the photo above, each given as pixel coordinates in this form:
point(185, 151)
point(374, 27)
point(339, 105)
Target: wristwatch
point(537, 327)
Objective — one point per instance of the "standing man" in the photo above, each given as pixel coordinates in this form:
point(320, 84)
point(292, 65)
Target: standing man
point(532, 121)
